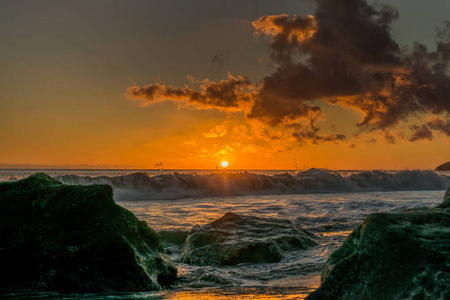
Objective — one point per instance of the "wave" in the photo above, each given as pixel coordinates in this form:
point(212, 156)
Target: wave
point(142, 186)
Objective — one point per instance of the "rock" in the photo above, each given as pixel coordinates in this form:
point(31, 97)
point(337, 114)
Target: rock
point(443, 167)
point(446, 202)
point(173, 241)
point(392, 256)
point(235, 239)
point(57, 237)
point(176, 237)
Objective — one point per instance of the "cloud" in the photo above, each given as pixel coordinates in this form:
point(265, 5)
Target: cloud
point(202, 153)
point(191, 142)
point(389, 137)
point(234, 93)
point(421, 133)
point(351, 146)
point(439, 125)
point(426, 131)
point(223, 150)
point(287, 32)
point(254, 149)
point(221, 58)
point(343, 55)
point(310, 135)
point(217, 131)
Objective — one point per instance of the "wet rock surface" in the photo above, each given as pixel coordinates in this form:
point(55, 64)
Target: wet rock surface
point(393, 256)
point(173, 241)
point(57, 237)
point(235, 239)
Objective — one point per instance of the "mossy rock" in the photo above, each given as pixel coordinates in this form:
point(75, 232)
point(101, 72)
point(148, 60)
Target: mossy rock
point(72, 238)
point(392, 256)
point(235, 239)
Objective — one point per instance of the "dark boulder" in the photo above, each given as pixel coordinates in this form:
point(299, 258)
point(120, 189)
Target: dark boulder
point(443, 167)
point(176, 237)
point(392, 256)
point(235, 239)
point(58, 237)
point(173, 241)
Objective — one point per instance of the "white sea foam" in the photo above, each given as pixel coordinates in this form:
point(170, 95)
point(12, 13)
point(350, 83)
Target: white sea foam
point(142, 186)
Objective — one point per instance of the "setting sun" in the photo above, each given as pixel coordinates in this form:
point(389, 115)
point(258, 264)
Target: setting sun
point(224, 164)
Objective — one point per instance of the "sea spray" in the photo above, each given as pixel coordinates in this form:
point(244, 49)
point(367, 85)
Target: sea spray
point(141, 185)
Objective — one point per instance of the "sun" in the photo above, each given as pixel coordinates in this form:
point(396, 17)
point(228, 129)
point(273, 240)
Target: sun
point(224, 164)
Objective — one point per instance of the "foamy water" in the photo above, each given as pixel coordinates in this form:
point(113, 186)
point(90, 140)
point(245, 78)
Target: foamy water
point(329, 204)
point(331, 217)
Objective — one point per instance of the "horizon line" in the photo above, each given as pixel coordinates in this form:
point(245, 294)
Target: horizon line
point(34, 167)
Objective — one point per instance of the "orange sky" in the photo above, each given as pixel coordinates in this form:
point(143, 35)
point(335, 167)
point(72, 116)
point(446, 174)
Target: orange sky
point(68, 69)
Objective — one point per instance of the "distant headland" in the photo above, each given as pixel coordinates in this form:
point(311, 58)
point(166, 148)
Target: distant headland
point(443, 167)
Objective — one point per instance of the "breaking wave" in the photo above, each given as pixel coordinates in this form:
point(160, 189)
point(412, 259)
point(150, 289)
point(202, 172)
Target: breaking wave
point(142, 186)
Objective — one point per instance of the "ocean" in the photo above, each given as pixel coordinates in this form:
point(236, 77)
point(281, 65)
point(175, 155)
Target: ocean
point(329, 204)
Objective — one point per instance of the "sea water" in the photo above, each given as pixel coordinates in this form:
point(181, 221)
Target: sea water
point(330, 204)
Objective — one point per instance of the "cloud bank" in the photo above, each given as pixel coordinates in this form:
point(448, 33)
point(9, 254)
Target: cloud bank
point(343, 55)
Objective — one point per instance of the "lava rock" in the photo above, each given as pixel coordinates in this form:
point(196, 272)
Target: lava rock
point(392, 256)
point(57, 237)
point(235, 239)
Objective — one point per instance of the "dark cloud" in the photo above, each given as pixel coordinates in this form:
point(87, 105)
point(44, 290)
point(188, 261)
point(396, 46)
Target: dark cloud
point(346, 56)
point(388, 137)
point(343, 55)
point(311, 134)
point(439, 125)
point(425, 131)
point(421, 133)
point(221, 58)
point(351, 146)
point(235, 93)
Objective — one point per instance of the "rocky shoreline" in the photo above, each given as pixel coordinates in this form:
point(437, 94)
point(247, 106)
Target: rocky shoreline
point(73, 238)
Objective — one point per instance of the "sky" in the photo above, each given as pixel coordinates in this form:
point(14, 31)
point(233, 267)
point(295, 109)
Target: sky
point(338, 84)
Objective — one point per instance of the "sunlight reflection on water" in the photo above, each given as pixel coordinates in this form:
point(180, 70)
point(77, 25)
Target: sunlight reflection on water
point(244, 293)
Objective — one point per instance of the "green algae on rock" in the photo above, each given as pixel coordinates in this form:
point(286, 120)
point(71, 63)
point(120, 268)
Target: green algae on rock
point(235, 239)
point(73, 238)
point(392, 256)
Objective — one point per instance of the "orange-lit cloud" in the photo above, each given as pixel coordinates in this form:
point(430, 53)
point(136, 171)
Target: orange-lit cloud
point(190, 142)
point(223, 150)
point(388, 136)
point(344, 55)
point(233, 93)
point(287, 32)
point(217, 131)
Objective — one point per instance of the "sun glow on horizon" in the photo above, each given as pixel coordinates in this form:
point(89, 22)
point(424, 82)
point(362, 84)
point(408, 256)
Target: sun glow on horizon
point(224, 164)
